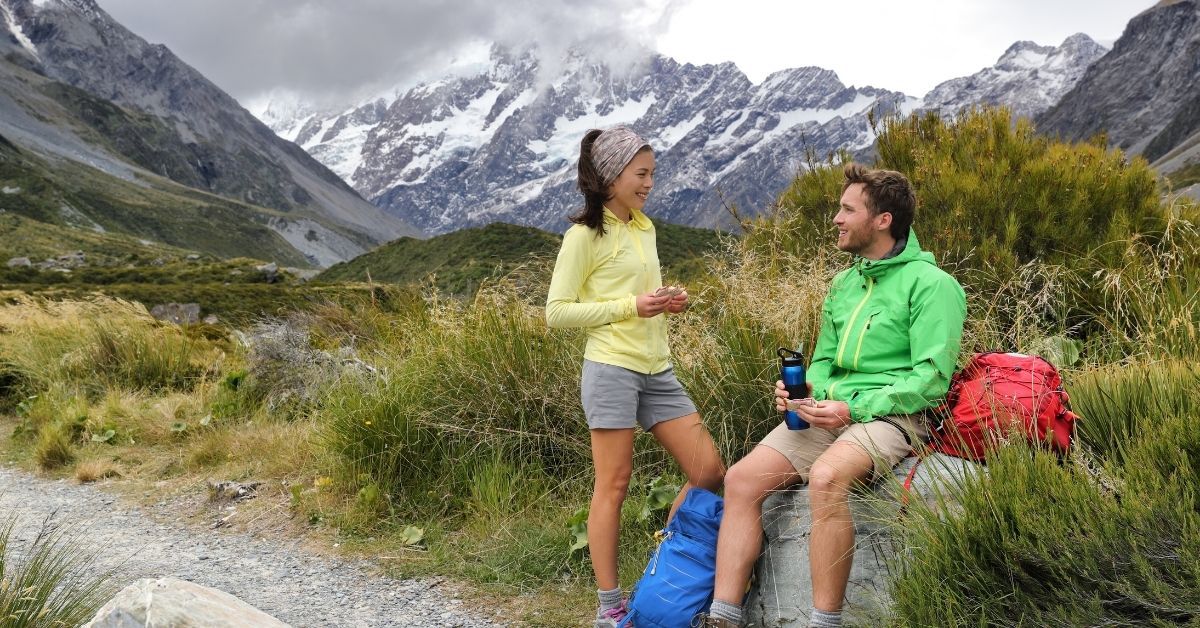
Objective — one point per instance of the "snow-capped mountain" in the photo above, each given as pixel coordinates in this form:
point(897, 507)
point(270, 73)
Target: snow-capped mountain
point(499, 142)
point(495, 145)
point(1028, 78)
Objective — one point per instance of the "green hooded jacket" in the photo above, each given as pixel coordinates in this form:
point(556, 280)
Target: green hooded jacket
point(890, 335)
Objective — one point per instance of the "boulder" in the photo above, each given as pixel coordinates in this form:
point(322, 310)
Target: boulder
point(22, 262)
point(178, 313)
point(174, 602)
point(270, 271)
point(782, 593)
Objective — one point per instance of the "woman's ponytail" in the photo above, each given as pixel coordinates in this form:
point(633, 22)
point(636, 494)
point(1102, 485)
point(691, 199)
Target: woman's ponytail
point(595, 193)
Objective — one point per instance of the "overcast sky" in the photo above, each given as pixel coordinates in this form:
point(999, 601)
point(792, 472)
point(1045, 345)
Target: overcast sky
point(343, 49)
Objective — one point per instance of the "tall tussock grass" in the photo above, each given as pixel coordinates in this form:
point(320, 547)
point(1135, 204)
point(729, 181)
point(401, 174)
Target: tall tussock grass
point(485, 381)
point(50, 580)
point(96, 344)
point(1039, 543)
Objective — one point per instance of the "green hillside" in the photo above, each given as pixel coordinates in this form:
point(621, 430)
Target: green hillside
point(76, 198)
point(459, 261)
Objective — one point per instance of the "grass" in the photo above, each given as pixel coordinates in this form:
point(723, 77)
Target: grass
point(459, 263)
point(445, 435)
point(1040, 543)
point(50, 582)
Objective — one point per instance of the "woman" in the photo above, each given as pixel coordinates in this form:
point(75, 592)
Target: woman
point(607, 279)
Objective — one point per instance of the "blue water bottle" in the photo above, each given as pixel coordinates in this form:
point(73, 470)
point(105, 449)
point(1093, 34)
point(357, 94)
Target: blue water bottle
point(791, 371)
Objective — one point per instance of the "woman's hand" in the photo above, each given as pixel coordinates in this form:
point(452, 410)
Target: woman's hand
point(678, 303)
point(650, 305)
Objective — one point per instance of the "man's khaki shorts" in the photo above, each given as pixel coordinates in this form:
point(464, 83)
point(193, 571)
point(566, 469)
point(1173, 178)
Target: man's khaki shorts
point(883, 439)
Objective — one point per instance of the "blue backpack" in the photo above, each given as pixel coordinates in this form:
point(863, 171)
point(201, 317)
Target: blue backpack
point(678, 581)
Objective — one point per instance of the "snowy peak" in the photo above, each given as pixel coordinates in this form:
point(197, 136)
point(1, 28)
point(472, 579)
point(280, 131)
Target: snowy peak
point(1028, 78)
point(500, 142)
point(1024, 55)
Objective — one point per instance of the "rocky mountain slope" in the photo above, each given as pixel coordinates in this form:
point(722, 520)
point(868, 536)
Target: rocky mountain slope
point(130, 108)
point(1027, 78)
point(1144, 94)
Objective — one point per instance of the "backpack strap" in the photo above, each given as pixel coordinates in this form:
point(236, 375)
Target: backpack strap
point(904, 494)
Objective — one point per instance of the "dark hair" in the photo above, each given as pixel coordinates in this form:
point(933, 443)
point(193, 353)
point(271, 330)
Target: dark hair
point(595, 193)
point(886, 191)
point(591, 185)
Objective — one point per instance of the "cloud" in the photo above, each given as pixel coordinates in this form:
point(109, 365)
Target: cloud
point(340, 50)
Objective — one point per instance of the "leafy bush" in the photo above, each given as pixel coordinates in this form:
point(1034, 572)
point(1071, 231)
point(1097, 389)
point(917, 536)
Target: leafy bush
point(996, 195)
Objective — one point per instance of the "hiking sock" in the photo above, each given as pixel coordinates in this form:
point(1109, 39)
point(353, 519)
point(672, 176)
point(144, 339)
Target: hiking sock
point(726, 611)
point(825, 619)
point(608, 599)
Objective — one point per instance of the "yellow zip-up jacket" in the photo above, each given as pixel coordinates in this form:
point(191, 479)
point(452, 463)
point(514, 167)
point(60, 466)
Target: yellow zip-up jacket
point(595, 285)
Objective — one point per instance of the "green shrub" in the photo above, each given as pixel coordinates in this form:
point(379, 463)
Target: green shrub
point(1038, 542)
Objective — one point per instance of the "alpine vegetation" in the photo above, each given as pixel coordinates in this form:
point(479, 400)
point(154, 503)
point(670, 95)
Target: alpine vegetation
point(444, 433)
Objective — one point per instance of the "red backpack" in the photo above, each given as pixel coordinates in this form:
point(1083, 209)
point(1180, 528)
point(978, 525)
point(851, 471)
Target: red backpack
point(996, 393)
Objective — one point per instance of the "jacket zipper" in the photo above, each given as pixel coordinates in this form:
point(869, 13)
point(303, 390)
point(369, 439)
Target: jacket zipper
point(657, 550)
point(637, 244)
point(853, 319)
point(861, 335)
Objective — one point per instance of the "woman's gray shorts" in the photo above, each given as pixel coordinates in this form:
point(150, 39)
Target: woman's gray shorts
point(614, 397)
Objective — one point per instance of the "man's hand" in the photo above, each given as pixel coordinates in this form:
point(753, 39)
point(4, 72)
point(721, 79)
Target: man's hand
point(781, 395)
point(650, 304)
point(678, 303)
point(830, 415)
point(824, 414)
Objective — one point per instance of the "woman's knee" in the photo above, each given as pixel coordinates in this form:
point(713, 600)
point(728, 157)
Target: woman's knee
point(711, 476)
point(613, 485)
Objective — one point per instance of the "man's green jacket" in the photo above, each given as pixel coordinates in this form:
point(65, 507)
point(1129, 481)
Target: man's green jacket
point(890, 335)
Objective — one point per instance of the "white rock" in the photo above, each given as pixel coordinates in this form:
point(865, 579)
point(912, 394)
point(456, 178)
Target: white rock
point(170, 602)
point(782, 595)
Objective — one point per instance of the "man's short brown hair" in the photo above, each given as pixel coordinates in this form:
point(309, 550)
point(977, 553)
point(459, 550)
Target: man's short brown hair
point(887, 191)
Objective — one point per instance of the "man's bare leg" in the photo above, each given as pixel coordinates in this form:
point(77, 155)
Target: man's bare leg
point(831, 541)
point(747, 484)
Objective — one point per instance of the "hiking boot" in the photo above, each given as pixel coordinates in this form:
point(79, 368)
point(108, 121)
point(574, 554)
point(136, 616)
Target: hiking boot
point(704, 620)
point(611, 617)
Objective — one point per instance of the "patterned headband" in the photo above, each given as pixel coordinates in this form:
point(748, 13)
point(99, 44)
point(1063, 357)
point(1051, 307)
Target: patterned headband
point(613, 150)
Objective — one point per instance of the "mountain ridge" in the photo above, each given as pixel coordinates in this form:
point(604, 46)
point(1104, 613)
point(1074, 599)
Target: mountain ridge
point(493, 146)
point(203, 137)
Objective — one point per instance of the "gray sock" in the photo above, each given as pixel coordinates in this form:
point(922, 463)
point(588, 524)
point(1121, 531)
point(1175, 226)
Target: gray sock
point(726, 611)
point(609, 599)
point(825, 619)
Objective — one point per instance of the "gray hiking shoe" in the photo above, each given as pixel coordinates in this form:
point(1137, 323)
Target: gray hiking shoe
point(704, 620)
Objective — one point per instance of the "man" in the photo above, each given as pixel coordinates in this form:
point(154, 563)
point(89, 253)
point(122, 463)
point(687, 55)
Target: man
point(890, 332)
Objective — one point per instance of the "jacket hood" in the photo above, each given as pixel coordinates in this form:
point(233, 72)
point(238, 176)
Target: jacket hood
point(912, 253)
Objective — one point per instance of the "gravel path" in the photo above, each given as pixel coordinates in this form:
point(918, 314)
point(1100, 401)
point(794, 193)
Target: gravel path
point(277, 577)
